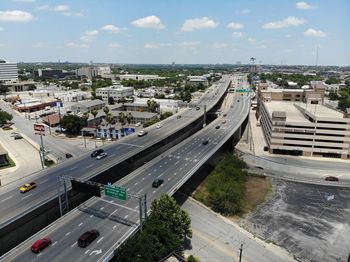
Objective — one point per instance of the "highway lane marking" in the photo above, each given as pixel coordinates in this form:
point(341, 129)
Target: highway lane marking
point(175, 174)
point(74, 167)
point(87, 251)
point(98, 241)
point(126, 216)
point(89, 166)
point(139, 191)
point(168, 178)
point(6, 198)
point(177, 162)
point(111, 155)
point(39, 255)
point(26, 196)
point(113, 212)
point(44, 181)
point(155, 170)
point(154, 192)
point(73, 244)
point(91, 216)
point(143, 178)
point(136, 207)
point(102, 208)
point(80, 224)
point(136, 184)
point(130, 144)
point(149, 174)
point(68, 233)
point(54, 243)
point(114, 227)
point(115, 204)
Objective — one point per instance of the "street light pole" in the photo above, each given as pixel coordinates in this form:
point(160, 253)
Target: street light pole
point(240, 253)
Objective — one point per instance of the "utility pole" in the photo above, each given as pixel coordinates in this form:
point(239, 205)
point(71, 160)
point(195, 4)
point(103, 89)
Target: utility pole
point(240, 253)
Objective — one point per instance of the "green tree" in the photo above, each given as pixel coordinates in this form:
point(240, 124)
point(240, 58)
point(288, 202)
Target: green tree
point(152, 105)
point(333, 95)
point(73, 124)
point(4, 90)
point(129, 118)
point(94, 112)
point(111, 100)
point(165, 115)
point(121, 100)
point(333, 80)
point(109, 119)
point(4, 117)
point(106, 110)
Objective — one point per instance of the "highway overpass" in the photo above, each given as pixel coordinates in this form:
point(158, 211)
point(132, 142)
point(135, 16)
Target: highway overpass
point(117, 220)
point(24, 214)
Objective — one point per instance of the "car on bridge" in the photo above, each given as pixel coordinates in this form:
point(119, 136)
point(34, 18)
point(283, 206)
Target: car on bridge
point(97, 152)
point(102, 155)
point(27, 187)
point(217, 127)
point(87, 238)
point(332, 178)
point(158, 126)
point(69, 155)
point(157, 182)
point(179, 116)
point(41, 244)
point(205, 142)
point(142, 133)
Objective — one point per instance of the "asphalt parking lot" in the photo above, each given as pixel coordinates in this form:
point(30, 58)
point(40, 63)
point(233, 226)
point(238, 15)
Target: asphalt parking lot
point(312, 222)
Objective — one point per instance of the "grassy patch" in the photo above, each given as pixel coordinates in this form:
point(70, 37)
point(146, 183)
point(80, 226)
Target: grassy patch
point(231, 191)
point(10, 164)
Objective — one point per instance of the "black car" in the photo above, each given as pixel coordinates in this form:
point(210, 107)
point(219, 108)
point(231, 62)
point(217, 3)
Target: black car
point(68, 155)
point(97, 152)
point(217, 127)
point(178, 116)
point(18, 137)
point(205, 142)
point(197, 108)
point(157, 182)
point(86, 238)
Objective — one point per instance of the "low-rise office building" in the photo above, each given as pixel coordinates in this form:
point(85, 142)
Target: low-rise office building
point(115, 91)
point(140, 77)
point(197, 80)
point(87, 106)
point(20, 86)
point(304, 129)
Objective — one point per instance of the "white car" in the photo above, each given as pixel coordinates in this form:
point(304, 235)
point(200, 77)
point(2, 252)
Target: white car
point(138, 124)
point(100, 156)
point(158, 126)
point(142, 133)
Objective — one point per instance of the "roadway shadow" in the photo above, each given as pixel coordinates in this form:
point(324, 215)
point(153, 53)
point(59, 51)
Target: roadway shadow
point(105, 215)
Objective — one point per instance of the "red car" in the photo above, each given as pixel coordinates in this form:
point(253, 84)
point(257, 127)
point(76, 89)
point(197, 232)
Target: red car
point(332, 178)
point(41, 244)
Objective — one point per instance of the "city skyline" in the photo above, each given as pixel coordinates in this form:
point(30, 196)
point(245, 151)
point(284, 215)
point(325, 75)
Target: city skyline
point(186, 32)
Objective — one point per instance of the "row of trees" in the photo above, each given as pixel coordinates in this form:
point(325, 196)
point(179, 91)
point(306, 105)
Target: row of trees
point(282, 79)
point(164, 232)
point(4, 117)
point(226, 198)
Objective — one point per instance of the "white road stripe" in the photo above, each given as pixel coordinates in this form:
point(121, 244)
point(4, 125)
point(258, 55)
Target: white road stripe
point(89, 166)
point(54, 243)
point(115, 204)
point(87, 251)
point(98, 241)
point(74, 244)
point(130, 144)
point(26, 196)
point(80, 224)
point(114, 227)
point(74, 167)
point(7, 198)
point(68, 233)
point(102, 208)
point(126, 216)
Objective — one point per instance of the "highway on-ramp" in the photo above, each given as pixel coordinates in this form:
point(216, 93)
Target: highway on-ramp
point(115, 219)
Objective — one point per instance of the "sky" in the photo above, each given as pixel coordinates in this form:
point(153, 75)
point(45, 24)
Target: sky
point(182, 31)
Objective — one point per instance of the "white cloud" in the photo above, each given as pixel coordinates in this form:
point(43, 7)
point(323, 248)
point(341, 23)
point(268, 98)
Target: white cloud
point(89, 36)
point(15, 16)
point(304, 5)
point(76, 45)
point(262, 46)
point(219, 45)
point(114, 45)
point(42, 7)
point(93, 32)
point(157, 45)
point(61, 8)
point(38, 45)
point(1, 29)
point(287, 22)
point(25, 1)
point(251, 40)
point(198, 23)
point(111, 28)
point(245, 11)
point(315, 33)
point(235, 25)
point(288, 35)
point(237, 34)
point(149, 22)
point(189, 44)
point(78, 14)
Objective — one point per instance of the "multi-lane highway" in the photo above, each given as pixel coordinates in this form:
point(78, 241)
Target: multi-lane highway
point(115, 219)
point(13, 204)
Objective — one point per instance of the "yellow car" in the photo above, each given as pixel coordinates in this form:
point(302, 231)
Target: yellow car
point(27, 187)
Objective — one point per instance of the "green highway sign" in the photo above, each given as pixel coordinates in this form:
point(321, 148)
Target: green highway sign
point(242, 90)
point(116, 192)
